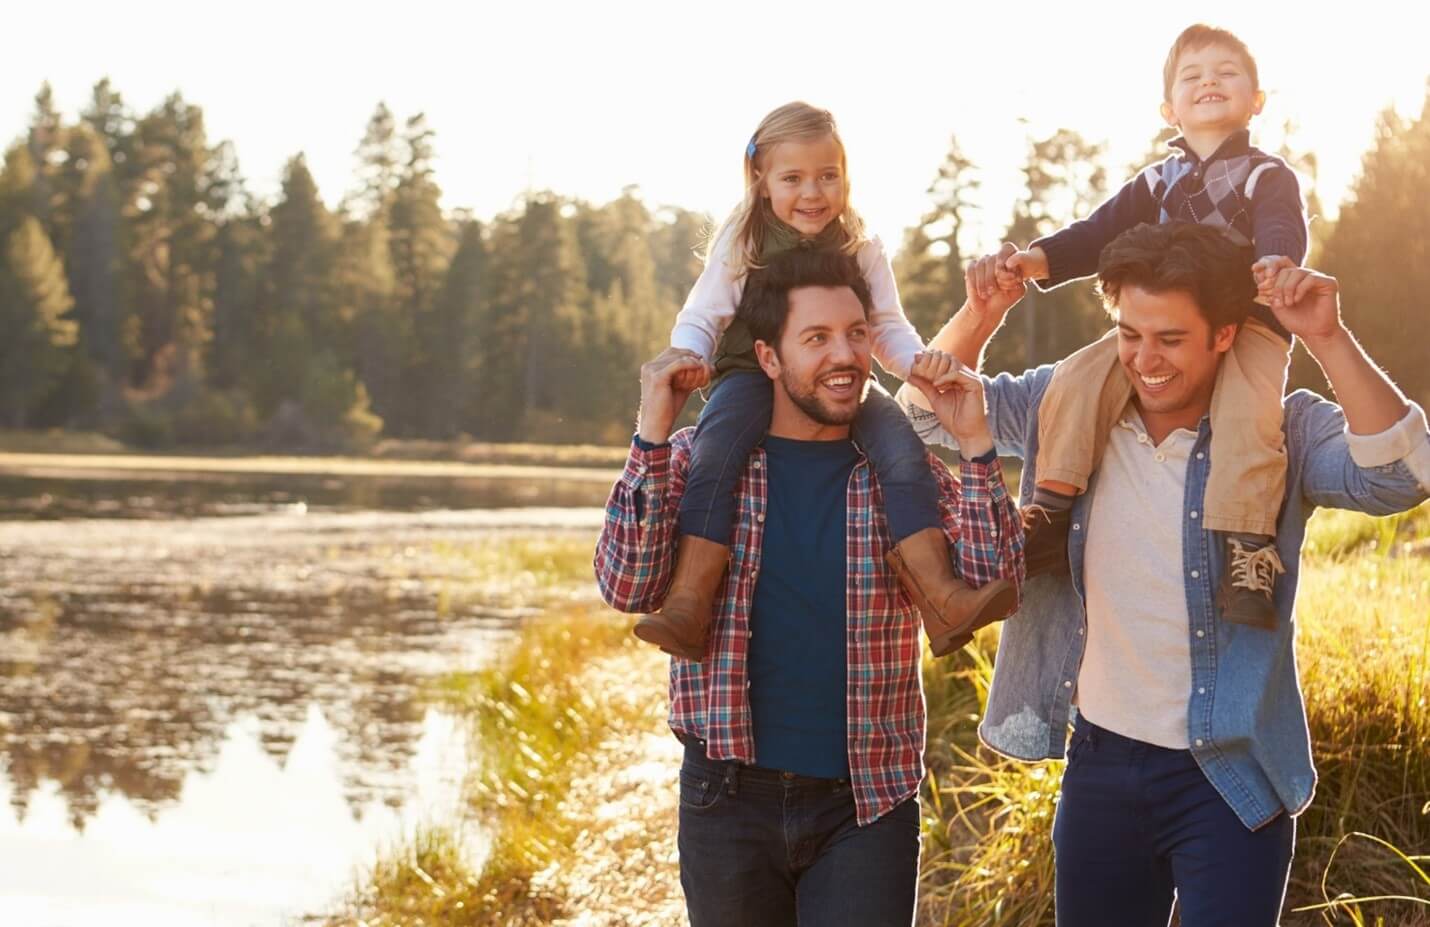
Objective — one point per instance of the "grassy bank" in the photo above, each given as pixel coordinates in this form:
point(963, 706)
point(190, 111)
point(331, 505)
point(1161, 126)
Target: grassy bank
point(542, 712)
point(479, 453)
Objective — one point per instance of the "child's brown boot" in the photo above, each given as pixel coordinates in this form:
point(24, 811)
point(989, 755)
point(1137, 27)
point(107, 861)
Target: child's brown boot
point(950, 608)
point(682, 625)
point(1045, 540)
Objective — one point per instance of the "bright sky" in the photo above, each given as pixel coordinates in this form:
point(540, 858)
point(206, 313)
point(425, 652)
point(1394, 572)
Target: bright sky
point(585, 98)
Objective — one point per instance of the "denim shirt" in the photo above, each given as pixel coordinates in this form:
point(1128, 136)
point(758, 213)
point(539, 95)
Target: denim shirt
point(1246, 722)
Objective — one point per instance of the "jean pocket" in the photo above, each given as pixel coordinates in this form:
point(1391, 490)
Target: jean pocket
point(699, 789)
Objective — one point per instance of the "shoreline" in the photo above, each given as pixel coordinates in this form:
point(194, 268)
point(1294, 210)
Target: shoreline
point(152, 466)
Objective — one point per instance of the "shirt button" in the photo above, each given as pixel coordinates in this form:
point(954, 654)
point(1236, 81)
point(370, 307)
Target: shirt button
point(1077, 526)
point(1200, 455)
point(1141, 439)
point(1201, 690)
point(760, 518)
point(1067, 684)
point(1195, 574)
point(1079, 632)
point(1201, 633)
point(1194, 514)
point(1159, 457)
point(1199, 742)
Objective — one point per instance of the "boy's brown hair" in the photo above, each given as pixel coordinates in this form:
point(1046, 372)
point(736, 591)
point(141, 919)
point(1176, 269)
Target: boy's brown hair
point(1200, 36)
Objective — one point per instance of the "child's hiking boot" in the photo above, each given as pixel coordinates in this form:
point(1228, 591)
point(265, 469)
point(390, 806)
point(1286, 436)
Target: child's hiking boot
point(1245, 596)
point(1045, 540)
point(950, 608)
point(682, 626)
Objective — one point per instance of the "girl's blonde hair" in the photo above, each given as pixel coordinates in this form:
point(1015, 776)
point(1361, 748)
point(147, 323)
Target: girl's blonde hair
point(793, 122)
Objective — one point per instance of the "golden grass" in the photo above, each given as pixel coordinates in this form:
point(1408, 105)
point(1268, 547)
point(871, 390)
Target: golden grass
point(537, 719)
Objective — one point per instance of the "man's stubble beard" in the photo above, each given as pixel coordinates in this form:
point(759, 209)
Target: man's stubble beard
point(812, 406)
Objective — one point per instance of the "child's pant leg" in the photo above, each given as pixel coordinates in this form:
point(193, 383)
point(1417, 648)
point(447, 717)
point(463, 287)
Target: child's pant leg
point(901, 462)
point(1088, 392)
point(734, 420)
point(1248, 447)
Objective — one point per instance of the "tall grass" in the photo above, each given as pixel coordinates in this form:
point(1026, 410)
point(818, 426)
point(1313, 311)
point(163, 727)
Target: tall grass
point(533, 719)
point(1363, 648)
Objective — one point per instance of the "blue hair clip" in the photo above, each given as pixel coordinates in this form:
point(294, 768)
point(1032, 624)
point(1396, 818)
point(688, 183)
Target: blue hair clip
point(750, 149)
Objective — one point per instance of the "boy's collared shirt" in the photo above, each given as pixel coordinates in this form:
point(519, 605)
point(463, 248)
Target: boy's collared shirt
point(709, 700)
point(1246, 721)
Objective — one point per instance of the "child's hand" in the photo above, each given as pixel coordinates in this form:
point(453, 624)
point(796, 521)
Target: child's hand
point(959, 405)
point(689, 379)
point(934, 370)
point(1264, 273)
point(1031, 264)
point(990, 293)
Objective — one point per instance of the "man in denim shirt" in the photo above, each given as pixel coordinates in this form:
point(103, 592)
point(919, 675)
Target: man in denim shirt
point(1191, 753)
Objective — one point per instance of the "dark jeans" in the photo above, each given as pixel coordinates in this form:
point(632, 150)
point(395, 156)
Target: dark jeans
point(1139, 824)
point(760, 847)
point(735, 420)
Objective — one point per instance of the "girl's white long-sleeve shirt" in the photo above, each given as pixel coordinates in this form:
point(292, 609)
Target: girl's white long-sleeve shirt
point(710, 307)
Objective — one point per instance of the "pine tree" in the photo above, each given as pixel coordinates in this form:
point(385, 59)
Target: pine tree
point(1380, 251)
point(171, 224)
point(1065, 181)
point(34, 298)
point(421, 246)
point(930, 264)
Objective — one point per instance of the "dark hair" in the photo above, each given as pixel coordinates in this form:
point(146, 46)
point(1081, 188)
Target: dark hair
point(765, 303)
point(1194, 259)
point(1200, 36)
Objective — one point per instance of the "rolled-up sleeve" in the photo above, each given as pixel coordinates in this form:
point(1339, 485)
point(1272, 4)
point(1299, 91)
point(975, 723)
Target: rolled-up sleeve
point(1407, 440)
point(1378, 474)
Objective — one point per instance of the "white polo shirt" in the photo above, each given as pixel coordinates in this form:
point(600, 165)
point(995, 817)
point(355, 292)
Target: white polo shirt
point(1136, 674)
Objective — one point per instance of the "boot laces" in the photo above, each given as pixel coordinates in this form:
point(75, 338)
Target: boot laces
point(1254, 568)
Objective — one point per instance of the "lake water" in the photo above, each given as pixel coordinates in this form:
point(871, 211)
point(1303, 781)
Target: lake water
point(211, 688)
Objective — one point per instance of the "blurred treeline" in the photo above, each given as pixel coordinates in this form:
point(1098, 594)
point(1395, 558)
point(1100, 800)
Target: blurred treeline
point(146, 293)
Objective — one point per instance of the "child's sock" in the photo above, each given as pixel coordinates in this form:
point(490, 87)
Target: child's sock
point(1051, 499)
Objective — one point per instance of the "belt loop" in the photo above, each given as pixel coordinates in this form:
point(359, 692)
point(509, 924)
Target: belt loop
point(732, 779)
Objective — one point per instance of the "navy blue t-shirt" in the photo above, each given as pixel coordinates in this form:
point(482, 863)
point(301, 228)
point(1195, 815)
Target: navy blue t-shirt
point(798, 665)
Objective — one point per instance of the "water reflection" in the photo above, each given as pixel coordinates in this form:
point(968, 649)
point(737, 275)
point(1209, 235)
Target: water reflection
point(249, 841)
point(208, 716)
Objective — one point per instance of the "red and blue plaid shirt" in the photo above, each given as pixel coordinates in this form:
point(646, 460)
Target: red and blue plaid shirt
point(635, 557)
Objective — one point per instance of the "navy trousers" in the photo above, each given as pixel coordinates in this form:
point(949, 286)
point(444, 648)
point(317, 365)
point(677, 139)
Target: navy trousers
point(763, 848)
point(1139, 827)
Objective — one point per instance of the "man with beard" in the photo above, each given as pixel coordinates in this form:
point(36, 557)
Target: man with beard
point(804, 725)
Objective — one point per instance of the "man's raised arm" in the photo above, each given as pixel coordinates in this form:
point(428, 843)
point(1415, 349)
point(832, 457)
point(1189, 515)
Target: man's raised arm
point(973, 325)
point(636, 548)
point(1378, 461)
point(1308, 305)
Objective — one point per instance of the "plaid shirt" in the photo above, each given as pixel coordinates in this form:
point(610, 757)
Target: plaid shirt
point(708, 700)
